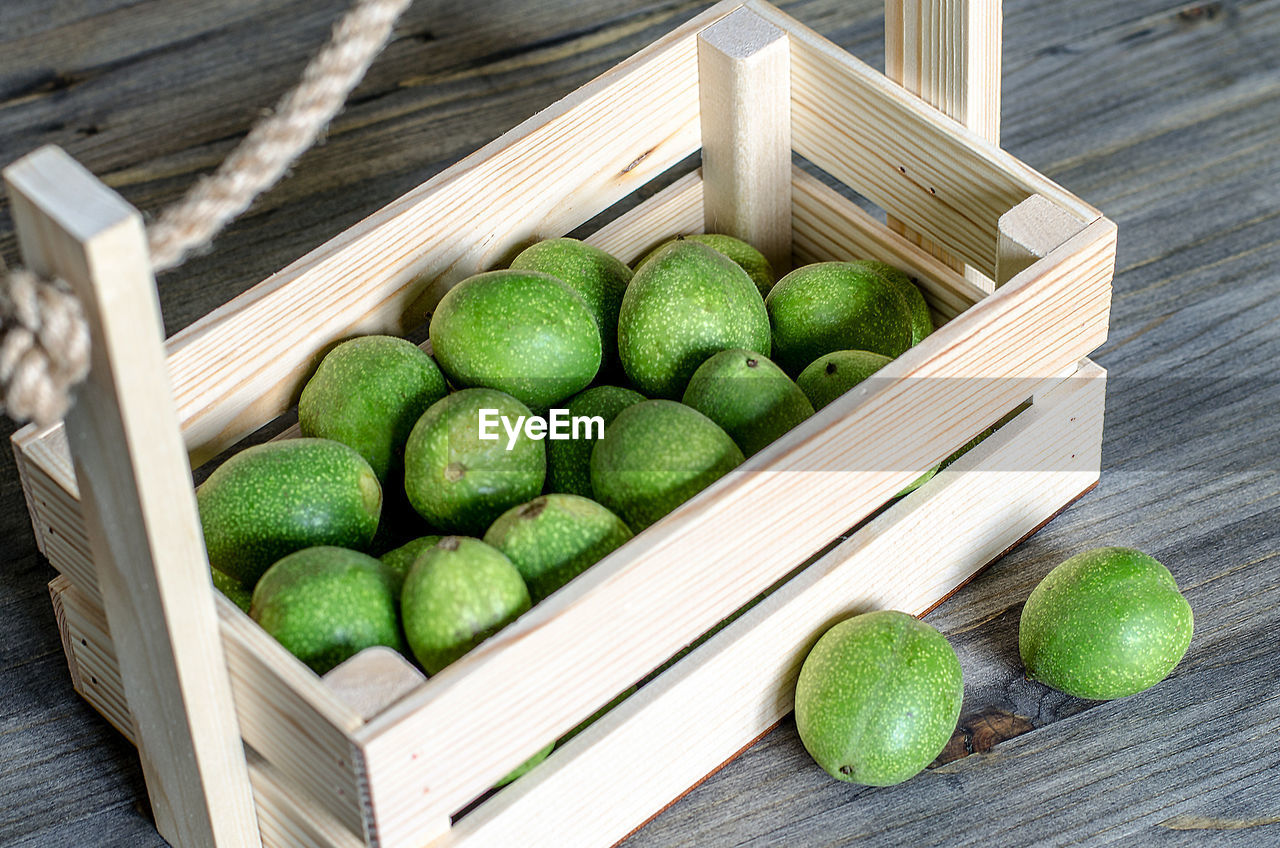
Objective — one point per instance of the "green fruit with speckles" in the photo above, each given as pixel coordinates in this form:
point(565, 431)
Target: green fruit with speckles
point(367, 393)
point(655, 456)
point(399, 560)
point(327, 604)
point(569, 460)
point(459, 592)
point(752, 399)
point(830, 376)
point(554, 538)
point(525, 767)
point(598, 277)
point(878, 697)
point(686, 303)
point(459, 481)
point(912, 297)
point(1106, 623)
point(233, 589)
point(747, 257)
point(832, 306)
point(521, 332)
point(272, 499)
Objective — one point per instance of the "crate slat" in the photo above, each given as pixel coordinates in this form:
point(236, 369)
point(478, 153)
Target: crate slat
point(675, 209)
point(137, 501)
point(947, 52)
point(828, 227)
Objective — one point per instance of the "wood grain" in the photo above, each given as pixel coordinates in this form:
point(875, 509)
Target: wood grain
point(287, 816)
point(941, 179)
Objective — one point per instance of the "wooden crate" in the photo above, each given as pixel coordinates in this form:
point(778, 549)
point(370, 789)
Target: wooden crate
point(372, 755)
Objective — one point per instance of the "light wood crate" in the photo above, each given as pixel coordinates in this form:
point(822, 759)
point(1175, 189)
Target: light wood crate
point(387, 759)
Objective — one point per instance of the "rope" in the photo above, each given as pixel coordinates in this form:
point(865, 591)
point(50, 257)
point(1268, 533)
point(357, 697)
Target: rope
point(44, 349)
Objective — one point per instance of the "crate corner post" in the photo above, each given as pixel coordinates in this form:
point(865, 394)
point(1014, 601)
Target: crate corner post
point(135, 487)
point(744, 94)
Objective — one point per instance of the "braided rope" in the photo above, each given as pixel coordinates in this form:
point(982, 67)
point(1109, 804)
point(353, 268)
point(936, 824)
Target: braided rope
point(44, 340)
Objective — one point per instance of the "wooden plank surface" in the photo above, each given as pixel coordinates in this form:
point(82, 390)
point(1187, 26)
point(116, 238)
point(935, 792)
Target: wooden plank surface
point(1164, 115)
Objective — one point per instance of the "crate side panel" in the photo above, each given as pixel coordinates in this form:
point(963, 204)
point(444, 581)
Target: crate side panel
point(922, 406)
point(285, 711)
point(655, 745)
point(925, 169)
point(286, 817)
point(244, 364)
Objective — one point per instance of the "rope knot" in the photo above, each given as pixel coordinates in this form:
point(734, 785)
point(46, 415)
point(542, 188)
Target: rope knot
point(44, 346)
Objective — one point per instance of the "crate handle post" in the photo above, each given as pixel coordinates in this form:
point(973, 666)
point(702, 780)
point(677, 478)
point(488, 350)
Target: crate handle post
point(744, 101)
point(948, 54)
point(139, 506)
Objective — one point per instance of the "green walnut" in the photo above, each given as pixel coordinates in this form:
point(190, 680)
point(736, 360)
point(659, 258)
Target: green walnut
point(831, 306)
point(459, 592)
point(747, 257)
point(554, 538)
point(272, 499)
point(685, 303)
point(522, 332)
point(367, 393)
point(569, 460)
point(747, 395)
point(326, 604)
point(655, 456)
point(878, 698)
point(461, 481)
point(1106, 623)
point(597, 276)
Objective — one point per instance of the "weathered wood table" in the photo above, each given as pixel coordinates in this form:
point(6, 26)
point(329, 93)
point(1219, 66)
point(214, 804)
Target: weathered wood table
point(1166, 116)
